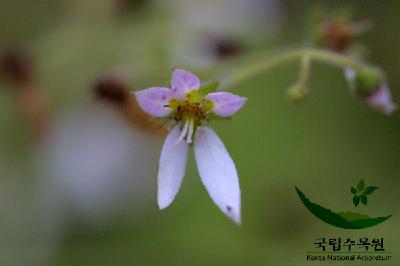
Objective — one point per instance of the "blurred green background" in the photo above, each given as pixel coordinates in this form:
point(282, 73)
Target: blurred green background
point(75, 198)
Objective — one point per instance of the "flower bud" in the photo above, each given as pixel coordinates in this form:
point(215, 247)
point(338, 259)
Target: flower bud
point(367, 80)
point(298, 92)
point(372, 88)
point(336, 34)
point(381, 100)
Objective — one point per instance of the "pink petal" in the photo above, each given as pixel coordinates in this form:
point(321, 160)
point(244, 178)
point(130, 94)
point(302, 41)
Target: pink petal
point(381, 100)
point(154, 100)
point(172, 167)
point(225, 103)
point(218, 172)
point(183, 81)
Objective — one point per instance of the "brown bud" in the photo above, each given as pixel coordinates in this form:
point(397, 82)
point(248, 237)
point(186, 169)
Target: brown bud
point(225, 47)
point(337, 35)
point(124, 6)
point(16, 67)
point(114, 91)
point(111, 90)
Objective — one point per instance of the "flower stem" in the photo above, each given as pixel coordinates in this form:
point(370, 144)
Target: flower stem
point(308, 54)
point(305, 70)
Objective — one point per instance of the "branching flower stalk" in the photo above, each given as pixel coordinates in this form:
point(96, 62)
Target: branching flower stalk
point(366, 81)
point(311, 54)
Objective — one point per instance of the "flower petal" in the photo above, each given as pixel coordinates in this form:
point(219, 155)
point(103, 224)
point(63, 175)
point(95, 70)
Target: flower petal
point(381, 100)
point(183, 81)
point(225, 103)
point(218, 172)
point(154, 100)
point(172, 167)
point(350, 76)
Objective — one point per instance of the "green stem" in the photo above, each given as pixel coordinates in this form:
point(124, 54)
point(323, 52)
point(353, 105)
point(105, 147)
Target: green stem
point(311, 54)
point(305, 70)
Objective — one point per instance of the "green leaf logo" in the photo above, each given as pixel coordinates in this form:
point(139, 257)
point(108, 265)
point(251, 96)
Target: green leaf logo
point(360, 185)
point(356, 200)
point(361, 193)
point(364, 199)
point(370, 190)
point(347, 219)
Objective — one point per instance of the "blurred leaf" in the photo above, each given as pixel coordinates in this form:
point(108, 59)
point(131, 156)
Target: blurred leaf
point(353, 190)
point(361, 185)
point(209, 87)
point(369, 190)
point(356, 200)
point(364, 199)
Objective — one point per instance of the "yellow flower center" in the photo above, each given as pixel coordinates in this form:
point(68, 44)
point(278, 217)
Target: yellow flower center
point(192, 107)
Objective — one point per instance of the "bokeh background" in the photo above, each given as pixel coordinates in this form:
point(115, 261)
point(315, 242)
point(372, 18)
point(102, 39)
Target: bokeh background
point(78, 166)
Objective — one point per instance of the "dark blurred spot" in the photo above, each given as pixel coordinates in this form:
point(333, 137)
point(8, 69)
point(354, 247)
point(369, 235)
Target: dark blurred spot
point(124, 6)
point(229, 208)
point(226, 47)
point(337, 35)
point(116, 92)
point(16, 67)
point(112, 90)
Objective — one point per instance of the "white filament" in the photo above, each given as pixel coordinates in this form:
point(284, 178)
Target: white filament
point(184, 131)
point(190, 132)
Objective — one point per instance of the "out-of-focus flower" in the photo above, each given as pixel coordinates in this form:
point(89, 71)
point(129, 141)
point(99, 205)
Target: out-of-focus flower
point(337, 31)
point(203, 31)
point(336, 34)
point(16, 68)
point(190, 104)
point(96, 164)
point(372, 87)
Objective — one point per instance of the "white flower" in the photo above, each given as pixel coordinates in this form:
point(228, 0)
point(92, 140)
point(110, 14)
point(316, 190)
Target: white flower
point(190, 104)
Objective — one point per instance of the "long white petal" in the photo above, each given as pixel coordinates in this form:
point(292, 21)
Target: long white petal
point(218, 172)
point(172, 167)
